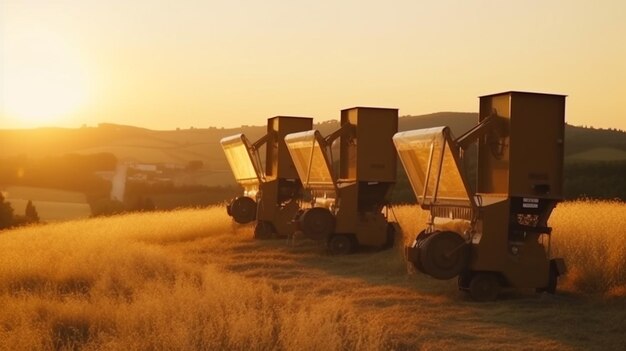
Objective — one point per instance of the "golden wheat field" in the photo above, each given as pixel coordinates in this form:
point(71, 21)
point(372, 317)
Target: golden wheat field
point(192, 280)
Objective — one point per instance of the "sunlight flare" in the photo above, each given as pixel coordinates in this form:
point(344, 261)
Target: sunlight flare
point(44, 79)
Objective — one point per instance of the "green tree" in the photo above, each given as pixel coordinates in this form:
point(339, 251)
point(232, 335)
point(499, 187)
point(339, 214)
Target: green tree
point(31, 213)
point(6, 213)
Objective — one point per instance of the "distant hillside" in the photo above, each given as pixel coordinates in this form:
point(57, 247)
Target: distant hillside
point(580, 140)
point(177, 146)
point(181, 146)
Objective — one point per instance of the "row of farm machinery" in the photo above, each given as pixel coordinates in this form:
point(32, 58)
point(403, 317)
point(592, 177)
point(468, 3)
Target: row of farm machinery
point(337, 188)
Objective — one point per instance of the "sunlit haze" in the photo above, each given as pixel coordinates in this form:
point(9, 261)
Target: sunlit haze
point(169, 64)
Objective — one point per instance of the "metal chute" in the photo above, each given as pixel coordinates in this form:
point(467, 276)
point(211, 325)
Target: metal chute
point(242, 160)
point(433, 167)
point(307, 150)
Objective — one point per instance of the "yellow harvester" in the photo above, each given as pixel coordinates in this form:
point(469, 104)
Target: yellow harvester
point(271, 192)
point(348, 198)
point(496, 236)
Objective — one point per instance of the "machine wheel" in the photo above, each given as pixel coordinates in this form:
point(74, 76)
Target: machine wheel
point(463, 281)
point(484, 287)
point(340, 244)
point(419, 242)
point(423, 235)
point(444, 255)
point(552, 279)
point(243, 209)
point(391, 236)
point(317, 223)
point(263, 230)
point(553, 276)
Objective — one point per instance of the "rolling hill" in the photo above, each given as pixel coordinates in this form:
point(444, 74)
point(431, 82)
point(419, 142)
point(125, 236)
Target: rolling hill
point(130, 143)
point(595, 159)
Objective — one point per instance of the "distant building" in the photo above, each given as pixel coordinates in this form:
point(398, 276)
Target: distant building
point(138, 177)
point(144, 167)
point(173, 166)
point(118, 183)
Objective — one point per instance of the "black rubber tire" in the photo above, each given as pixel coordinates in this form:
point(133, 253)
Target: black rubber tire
point(552, 279)
point(423, 235)
point(484, 286)
point(317, 223)
point(391, 237)
point(464, 279)
point(443, 255)
point(553, 276)
point(419, 242)
point(243, 209)
point(341, 244)
point(264, 230)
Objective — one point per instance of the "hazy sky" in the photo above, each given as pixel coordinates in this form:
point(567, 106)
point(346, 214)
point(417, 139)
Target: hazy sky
point(168, 64)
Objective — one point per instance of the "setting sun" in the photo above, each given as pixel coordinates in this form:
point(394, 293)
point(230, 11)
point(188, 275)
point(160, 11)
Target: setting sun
point(39, 98)
point(44, 80)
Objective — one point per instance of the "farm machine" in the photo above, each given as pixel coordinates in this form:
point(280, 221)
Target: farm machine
point(348, 201)
point(270, 193)
point(496, 236)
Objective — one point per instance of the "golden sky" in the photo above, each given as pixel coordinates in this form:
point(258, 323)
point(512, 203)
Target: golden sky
point(168, 64)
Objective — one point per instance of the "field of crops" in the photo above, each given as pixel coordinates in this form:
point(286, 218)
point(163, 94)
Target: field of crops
point(191, 279)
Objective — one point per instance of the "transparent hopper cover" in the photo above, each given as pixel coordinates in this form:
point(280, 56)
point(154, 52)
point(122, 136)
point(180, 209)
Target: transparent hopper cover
point(432, 168)
point(237, 150)
point(308, 155)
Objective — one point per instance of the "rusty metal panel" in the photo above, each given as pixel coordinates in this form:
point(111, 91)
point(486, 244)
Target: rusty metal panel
point(348, 147)
point(368, 154)
point(528, 160)
point(489, 243)
point(493, 169)
point(537, 135)
point(278, 163)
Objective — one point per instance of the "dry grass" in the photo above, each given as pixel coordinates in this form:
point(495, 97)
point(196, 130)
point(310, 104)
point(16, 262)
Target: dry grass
point(112, 284)
point(191, 280)
point(591, 236)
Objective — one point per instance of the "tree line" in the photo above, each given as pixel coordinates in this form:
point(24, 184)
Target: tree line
point(8, 219)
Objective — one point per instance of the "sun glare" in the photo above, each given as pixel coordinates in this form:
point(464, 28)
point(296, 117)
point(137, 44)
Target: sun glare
point(43, 98)
point(44, 81)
